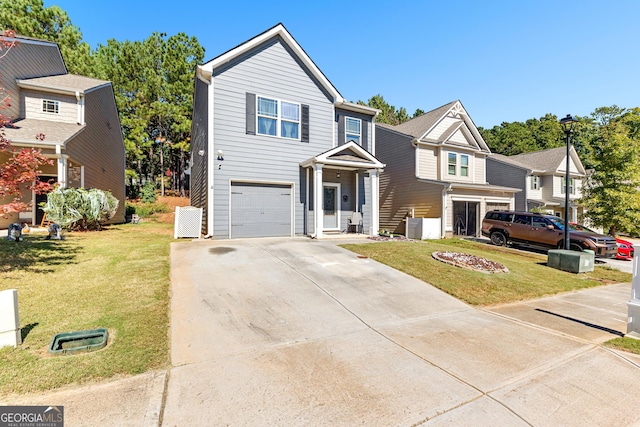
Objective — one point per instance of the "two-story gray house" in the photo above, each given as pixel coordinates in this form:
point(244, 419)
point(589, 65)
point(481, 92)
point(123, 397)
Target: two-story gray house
point(276, 150)
point(76, 114)
point(436, 169)
point(541, 177)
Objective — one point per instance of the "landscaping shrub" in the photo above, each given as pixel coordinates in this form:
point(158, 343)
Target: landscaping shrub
point(79, 208)
point(148, 193)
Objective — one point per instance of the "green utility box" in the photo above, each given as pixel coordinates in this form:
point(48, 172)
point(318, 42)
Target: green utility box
point(571, 261)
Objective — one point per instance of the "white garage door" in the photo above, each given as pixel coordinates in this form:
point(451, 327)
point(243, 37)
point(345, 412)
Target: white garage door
point(260, 210)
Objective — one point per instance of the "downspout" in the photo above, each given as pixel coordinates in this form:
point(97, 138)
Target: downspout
point(210, 159)
point(443, 224)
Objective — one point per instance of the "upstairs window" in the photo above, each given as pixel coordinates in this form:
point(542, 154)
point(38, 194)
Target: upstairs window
point(452, 163)
point(278, 118)
point(353, 130)
point(51, 107)
point(572, 188)
point(535, 182)
point(464, 165)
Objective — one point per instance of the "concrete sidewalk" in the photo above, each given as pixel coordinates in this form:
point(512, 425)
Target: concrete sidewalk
point(302, 332)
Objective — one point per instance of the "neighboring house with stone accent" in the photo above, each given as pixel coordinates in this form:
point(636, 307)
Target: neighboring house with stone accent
point(276, 150)
point(436, 168)
point(77, 115)
point(541, 177)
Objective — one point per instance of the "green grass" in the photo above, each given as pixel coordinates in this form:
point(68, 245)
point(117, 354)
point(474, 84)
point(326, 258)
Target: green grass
point(631, 345)
point(117, 279)
point(528, 275)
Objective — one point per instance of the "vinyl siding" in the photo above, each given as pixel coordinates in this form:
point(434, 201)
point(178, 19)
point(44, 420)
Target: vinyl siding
point(199, 136)
point(479, 168)
point(458, 137)
point(270, 70)
point(100, 147)
point(400, 191)
point(32, 107)
point(366, 134)
point(25, 60)
point(427, 162)
point(441, 127)
point(499, 173)
point(548, 186)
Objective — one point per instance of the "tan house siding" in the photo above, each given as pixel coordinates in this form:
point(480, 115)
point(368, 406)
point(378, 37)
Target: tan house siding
point(32, 107)
point(29, 58)
point(400, 192)
point(479, 169)
point(427, 162)
point(441, 127)
point(100, 147)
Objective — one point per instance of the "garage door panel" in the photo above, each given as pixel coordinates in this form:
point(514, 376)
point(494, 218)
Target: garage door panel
point(260, 210)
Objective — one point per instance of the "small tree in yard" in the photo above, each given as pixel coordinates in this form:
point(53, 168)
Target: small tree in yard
point(21, 168)
point(611, 195)
point(79, 208)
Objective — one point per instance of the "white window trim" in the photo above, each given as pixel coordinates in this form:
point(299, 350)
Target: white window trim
point(458, 165)
point(468, 165)
point(455, 164)
point(279, 118)
point(535, 182)
point(56, 105)
point(359, 135)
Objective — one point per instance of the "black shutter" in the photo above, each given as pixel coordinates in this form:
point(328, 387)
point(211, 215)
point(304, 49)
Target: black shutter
point(251, 113)
point(340, 129)
point(304, 134)
point(365, 136)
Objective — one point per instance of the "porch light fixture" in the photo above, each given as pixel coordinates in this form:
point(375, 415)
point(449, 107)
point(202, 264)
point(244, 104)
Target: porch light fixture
point(201, 153)
point(567, 124)
point(220, 155)
point(337, 174)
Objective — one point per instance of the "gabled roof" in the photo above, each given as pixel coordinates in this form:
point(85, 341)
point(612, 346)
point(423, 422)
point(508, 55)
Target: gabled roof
point(205, 71)
point(549, 160)
point(349, 155)
point(421, 127)
point(64, 83)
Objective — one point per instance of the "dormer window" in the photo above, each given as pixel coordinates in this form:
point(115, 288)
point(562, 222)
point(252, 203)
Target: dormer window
point(353, 129)
point(50, 106)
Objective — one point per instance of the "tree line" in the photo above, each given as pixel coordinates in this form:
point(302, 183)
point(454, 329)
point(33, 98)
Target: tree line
point(153, 84)
point(152, 80)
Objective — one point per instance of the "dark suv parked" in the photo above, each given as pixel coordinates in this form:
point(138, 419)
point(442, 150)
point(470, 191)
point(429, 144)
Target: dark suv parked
point(547, 231)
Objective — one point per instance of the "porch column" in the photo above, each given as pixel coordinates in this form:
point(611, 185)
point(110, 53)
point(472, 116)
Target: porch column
point(375, 202)
point(62, 167)
point(318, 206)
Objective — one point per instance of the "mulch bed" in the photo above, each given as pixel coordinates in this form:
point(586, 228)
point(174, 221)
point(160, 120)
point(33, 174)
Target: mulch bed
point(471, 262)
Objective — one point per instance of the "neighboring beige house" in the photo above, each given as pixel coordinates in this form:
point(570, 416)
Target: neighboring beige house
point(77, 115)
point(541, 177)
point(436, 169)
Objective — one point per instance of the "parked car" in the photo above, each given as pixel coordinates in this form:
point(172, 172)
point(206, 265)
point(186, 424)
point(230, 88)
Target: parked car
point(625, 248)
point(546, 231)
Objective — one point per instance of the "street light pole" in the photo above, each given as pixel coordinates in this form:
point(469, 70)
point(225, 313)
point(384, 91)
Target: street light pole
point(567, 123)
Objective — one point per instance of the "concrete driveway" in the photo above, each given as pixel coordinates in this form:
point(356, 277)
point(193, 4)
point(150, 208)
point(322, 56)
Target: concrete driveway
point(284, 332)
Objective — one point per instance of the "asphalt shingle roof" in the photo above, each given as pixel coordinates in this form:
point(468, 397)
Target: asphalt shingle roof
point(69, 82)
point(546, 160)
point(25, 130)
point(417, 126)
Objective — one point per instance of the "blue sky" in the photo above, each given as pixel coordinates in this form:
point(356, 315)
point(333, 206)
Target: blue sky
point(505, 60)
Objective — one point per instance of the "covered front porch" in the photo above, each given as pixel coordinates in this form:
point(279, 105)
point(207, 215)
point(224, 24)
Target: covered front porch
point(342, 187)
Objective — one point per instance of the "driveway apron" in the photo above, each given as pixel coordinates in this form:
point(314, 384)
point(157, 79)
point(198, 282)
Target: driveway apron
point(302, 332)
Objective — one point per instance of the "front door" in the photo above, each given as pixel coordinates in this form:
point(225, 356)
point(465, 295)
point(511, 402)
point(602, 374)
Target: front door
point(331, 196)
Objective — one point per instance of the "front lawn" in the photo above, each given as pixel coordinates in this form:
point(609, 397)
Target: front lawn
point(528, 276)
point(117, 279)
